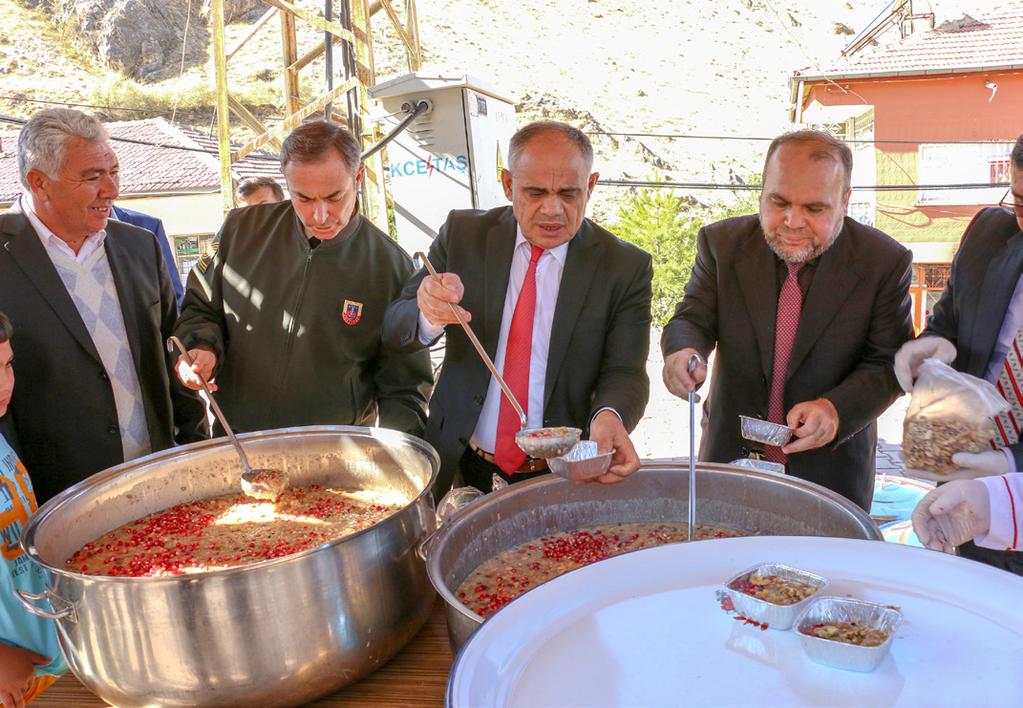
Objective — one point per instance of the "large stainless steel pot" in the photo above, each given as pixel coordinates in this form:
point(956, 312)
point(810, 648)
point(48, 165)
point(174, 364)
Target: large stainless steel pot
point(278, 632)
point(730, 496)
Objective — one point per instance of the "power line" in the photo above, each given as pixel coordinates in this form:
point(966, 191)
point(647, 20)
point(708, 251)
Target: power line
point(8, 97)
point(758, 138)
point(756, 187)
point(166, 146)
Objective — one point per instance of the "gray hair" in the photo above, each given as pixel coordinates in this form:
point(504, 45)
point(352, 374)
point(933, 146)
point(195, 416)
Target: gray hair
point(42, 143)
point(309, 141)
point(524, 135)
point(830, 148)
point(1017, 153)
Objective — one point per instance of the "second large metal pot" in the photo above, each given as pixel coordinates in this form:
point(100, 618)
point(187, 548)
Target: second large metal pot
point(277, 632)
point(729, 496)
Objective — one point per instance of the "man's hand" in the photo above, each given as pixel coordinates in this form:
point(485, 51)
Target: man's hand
point(435, 296)
point(969, 465)
point(815, 424)
point(912, 354)
point(953, 514)
point(609, 433)
point(203, 363)
point(17, 669)
point(676, 372)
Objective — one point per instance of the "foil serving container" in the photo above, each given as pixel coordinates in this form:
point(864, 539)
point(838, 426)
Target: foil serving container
point(780, 617)
point(841, 655)
point(762, 465)
point(582, 462)
point(764, 431)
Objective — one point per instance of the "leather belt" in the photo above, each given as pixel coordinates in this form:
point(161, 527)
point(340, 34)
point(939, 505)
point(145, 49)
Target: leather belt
point(532, 464)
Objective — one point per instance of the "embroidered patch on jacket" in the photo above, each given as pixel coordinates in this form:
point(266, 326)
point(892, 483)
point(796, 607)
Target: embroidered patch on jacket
point(351, 312)
point(207, 257)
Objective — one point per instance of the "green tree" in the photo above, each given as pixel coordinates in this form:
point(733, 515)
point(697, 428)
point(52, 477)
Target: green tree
point(665, 224)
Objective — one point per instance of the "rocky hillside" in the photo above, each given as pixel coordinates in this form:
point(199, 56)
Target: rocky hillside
point(683, 67)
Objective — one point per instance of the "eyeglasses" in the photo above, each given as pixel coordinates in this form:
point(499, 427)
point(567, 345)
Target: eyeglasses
point(1011, 203)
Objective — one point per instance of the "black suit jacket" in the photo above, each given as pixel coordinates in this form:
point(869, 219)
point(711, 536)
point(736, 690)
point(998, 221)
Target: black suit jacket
point(63, 407)
point(974, 303)
point(599, 341)
point(855, 316)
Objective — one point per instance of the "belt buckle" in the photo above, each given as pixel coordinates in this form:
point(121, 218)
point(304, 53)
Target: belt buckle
point(497, 482)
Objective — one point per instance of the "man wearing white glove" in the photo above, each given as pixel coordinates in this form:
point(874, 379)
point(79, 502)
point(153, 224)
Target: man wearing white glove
point(977, 327)
point(988, 512)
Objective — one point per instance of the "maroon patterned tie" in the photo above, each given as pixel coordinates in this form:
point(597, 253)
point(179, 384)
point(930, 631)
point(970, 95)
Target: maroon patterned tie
point(790, 303)
point(1010, 385)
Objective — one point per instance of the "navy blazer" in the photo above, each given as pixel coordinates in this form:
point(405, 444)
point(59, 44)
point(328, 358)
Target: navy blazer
point(155, 225)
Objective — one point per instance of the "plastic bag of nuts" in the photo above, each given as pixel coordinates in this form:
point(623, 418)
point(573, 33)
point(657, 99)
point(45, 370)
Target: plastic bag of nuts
point(949, 412)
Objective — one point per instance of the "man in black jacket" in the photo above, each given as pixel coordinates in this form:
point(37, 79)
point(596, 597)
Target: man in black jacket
point(560, 304)
point(92, 304)
point(977, 327)
point(286, 315)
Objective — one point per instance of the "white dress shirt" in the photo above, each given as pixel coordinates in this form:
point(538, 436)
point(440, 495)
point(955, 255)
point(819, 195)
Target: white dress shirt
point(53, 241)
point(548, 282)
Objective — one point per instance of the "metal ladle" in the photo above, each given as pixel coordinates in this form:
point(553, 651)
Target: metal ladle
point(259, 483)
point(694, 361)
point(535, 442)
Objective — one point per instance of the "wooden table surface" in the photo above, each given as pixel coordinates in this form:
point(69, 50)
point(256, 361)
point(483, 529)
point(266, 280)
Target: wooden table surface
point(417, 676)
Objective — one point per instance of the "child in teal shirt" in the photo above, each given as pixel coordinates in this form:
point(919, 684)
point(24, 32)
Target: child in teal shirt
point(30, 657)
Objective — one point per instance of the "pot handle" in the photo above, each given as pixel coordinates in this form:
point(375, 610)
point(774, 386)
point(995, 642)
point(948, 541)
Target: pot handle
point(423, 547)
point(455, 500)
point(26, 599)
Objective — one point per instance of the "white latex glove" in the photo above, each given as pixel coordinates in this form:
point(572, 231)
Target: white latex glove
point(953, 514)
point(969, 465)
point(912, 354)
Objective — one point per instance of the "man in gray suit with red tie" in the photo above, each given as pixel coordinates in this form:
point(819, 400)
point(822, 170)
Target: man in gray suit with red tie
point(977, 327)
point(806, 309)
point(560, 304)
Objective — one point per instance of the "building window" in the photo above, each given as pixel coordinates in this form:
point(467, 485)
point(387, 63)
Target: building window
point(973, 163)
point(929, 280)
point(187, 250)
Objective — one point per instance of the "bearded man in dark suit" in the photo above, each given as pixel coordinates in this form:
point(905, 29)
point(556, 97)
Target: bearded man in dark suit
point(560, 304)
point(92, 304)
point(805, 308)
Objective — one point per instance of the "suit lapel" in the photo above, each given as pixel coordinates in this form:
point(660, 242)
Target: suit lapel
point(127, 294)
point(755, 268)
point(498, 250)
point(581, 263)
point(27, 251)
point(832, 285)
point(999, 282)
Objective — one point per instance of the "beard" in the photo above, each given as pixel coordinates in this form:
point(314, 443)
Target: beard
point(807, 253)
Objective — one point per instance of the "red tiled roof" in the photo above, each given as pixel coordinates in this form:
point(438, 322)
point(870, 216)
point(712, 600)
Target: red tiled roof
point(993, 40)
point(155, 162)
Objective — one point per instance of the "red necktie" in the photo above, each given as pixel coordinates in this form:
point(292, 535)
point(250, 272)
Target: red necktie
point(508, 456)
point(1010, 385)
point(790, 303)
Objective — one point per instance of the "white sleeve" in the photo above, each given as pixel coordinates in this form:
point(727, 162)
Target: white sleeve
point(428, 332)
point(1006, 497)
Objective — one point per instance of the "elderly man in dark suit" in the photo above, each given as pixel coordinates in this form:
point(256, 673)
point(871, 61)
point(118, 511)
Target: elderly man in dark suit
point(977, 327)
point(806, 309)
point(92, 305)
point(560, 304)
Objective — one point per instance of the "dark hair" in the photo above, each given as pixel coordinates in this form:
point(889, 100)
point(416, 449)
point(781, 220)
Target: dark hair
point(6, 329)
point(524, 135)
point(254, 184)
point(1017, 154)
point(831, 148)
point(309, 141)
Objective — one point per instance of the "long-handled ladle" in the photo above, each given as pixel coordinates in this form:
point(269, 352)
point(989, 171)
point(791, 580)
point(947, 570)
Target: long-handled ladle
point(535, 442)
point(260, 483)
